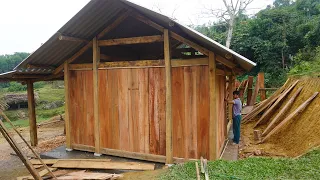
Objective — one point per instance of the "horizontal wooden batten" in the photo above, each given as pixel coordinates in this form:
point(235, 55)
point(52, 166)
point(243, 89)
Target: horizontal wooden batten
point(83, 147)
point(141, 64)
point(132, 40)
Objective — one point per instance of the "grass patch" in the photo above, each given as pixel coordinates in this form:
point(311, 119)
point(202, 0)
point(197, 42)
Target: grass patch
point(306, 167)
point(23, 122)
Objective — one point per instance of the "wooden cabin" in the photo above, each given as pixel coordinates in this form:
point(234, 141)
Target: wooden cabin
point(137, 83)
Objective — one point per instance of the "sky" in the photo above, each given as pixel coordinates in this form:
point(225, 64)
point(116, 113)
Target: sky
point(26, 24)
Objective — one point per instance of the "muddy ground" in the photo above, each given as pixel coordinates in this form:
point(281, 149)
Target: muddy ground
point(49, 136)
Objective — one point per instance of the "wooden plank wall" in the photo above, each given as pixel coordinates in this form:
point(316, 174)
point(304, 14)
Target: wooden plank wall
point(132, 110)
point(81, 111)
point(221, 83)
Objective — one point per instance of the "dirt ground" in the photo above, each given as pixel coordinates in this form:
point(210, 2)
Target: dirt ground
point(297, 137)
point(49, 136)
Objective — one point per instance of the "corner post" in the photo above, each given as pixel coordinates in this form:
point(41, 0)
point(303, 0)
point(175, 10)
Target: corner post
point(67, 104)
point(167, 58)
point(96, 61)
point(213, 113)
point(32, 114)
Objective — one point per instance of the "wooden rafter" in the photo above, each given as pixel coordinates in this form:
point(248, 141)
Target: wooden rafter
point(114, 24)
point(132, 40)
point(74, 57)
point(176, 36)
point(68, 38)
point(89, 45)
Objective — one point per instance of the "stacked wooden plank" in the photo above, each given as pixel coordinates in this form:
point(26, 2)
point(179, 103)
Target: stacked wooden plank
point(65, 168)
point(265, 110)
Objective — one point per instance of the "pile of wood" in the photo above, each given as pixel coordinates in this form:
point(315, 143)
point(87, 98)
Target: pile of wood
point(203, 168)
point(48, 168)
point(65, 168)
point(263, 112)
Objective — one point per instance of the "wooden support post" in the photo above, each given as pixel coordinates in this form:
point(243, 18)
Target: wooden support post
point(255, 93)
point(96, 61)
point(261, 86)
point(213, 104)
point(67, 104)
point(32, 114)
point(167, 58)
point(249, 95)
point(230, 97)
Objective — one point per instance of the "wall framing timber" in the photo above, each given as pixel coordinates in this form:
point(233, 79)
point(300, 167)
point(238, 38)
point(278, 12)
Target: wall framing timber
point(67, 106)
point(32, 114)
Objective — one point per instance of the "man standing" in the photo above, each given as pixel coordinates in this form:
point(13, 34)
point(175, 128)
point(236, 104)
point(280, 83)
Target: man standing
point(236, 116)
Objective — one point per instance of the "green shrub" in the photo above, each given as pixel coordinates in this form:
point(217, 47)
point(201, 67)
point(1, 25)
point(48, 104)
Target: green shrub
point(14, 87)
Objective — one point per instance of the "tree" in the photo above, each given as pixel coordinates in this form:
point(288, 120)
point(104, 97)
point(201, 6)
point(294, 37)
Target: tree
point(233, 8)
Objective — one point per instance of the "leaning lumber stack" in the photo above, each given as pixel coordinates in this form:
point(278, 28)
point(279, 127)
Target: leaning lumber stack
point(284, 107)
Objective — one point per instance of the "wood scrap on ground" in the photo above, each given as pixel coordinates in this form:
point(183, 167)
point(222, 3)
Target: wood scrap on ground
point(41, 173)
point(265, 104)
point(89, 175)
point(270, 110)
point(298, 111)
point(282, 112)
point(103, 165)
point(53, 161)
point(197, 171)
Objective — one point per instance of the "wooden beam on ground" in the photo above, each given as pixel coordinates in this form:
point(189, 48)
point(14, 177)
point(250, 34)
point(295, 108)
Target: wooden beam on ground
point(282, 113)
point(69, 38)
point(298, 111)
point(96, 61)
point(74, 57)
point(115, 23)
point(261, 86)
point(32, 114)
point(265, 104)
point(255, 93)
point(143, 64)
point(167, 59)
point(213, 113)
point(53, 161)
point(131, 40)
point(265, 117)
point(103, 165)
point(67, 105)
point(249, 95)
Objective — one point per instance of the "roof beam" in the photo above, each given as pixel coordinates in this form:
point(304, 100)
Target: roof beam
point(68, 38)
point(176, 36)
point(132, 40)
point(226, 62)
point(74, 57)
point(89, 45)
point(114, 24)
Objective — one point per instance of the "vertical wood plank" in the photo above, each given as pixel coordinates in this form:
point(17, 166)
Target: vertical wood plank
point(67, 102)
point(249, 95)
point(213, 124)
point(143, 112)
point(162, 111)
point(195, 103)
point(124, 108)
point(187, 110)
point(203, 117)
point(32, 114)
point(178, 104)
point(103, 108)
point(167, 58)
point(96, 61)
point(114, 76)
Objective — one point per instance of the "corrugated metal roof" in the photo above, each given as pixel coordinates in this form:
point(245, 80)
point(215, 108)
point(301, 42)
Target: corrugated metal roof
point(97, 15)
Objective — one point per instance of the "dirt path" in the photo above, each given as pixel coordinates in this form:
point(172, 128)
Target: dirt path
point(49, 136)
